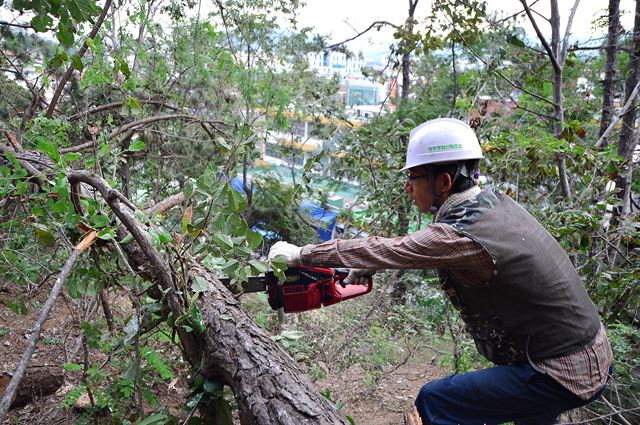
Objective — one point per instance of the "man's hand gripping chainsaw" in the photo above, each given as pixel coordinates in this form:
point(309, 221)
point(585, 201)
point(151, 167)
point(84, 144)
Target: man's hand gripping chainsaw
point(306, 288)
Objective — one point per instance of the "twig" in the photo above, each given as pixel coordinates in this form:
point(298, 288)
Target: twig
point(11, 24)
point(80, 53)
point(623, 112)
point(565, 39)
point(376, 23)
point(116, 105)
point(608, 415)
point(498, 72)
point(10, 392)
point(545, 44)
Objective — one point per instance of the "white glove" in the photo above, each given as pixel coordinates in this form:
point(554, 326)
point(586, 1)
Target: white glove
point(358, 276)
point(290, 252)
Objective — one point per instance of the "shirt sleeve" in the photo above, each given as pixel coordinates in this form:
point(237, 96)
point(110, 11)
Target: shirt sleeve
point(437, 246)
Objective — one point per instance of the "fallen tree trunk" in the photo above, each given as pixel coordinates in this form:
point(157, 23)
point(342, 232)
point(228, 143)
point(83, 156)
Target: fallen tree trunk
point(38, 381)
point(268, 385)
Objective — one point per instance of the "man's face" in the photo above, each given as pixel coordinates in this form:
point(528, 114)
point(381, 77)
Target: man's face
point(417, 186)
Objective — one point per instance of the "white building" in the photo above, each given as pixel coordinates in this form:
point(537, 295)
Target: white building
point(331, 62)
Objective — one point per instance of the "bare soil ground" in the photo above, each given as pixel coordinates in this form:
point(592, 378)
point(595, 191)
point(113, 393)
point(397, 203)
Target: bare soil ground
point(384, 402)
point(379, 403)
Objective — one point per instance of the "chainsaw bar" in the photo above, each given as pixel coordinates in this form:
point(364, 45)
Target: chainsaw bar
point(253, 283)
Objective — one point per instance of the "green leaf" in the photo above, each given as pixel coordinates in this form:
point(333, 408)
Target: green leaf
point(65, 36)
point(196, 318)
point(45, 146)
point(41, 23)
point(107, 234)
point(98, 220)
point(237, 202)
point(189, 188)
point(77, 62)
point(72, 367)
point(136, 146)
point(45, 237)
point(514, 40)
point(164, 237)
point(199, 284)
point(90, 43)
point(72, 156)
point(259, 266)
point(253, 238)
point(124, 68)
point(223, 241)
point(133, 103)
point(155, 419)
point(82, 10)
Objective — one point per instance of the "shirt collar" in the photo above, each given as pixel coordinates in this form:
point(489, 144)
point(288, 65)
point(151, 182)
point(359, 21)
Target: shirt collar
point(455, 199)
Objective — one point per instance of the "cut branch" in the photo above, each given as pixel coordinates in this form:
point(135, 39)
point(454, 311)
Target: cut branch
point(26, 164)
point(130, 127)
point(268, 385)
point(166, 204)
point(88, 240)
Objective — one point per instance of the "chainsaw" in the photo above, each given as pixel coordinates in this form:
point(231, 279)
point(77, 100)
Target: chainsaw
point(305, 288)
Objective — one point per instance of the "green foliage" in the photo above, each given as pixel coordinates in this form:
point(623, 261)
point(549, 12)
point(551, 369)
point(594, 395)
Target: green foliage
point(237, 78)
point(72, 396)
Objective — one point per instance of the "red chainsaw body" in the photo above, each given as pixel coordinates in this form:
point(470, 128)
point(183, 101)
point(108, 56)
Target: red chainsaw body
point(308, 288)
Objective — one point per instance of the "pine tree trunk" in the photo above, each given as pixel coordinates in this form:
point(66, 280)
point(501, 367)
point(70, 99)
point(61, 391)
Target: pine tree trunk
point(269, 387)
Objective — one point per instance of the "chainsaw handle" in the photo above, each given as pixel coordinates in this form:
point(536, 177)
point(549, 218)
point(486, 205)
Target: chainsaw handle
point(351, 290)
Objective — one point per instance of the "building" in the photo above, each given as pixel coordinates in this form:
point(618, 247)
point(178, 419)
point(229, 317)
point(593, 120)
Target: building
point(330, 62)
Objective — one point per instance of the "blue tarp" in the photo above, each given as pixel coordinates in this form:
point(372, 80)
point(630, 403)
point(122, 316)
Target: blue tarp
point(327, 218)
point(236, 183)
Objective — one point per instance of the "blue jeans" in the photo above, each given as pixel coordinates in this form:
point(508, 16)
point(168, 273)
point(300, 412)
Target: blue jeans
point(496, 395)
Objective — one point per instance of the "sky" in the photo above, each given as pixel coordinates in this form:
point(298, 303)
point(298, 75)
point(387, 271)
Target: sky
point(342, 19)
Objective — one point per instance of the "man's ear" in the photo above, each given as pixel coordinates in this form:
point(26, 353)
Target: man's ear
point(445, 182)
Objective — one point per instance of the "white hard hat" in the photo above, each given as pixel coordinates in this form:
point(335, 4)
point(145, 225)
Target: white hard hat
point(440, 141)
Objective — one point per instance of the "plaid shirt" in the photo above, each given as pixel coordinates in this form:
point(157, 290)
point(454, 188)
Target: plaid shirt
point(439, 246)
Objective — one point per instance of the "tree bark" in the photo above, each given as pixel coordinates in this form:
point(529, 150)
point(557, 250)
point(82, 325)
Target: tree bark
point(558, 98)
point(38, 381)
point(608, 85)
point(406, 54)
point(268, 385)
point(628, 135)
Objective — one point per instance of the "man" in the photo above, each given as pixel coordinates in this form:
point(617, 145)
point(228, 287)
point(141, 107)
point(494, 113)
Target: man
point(519, 295)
